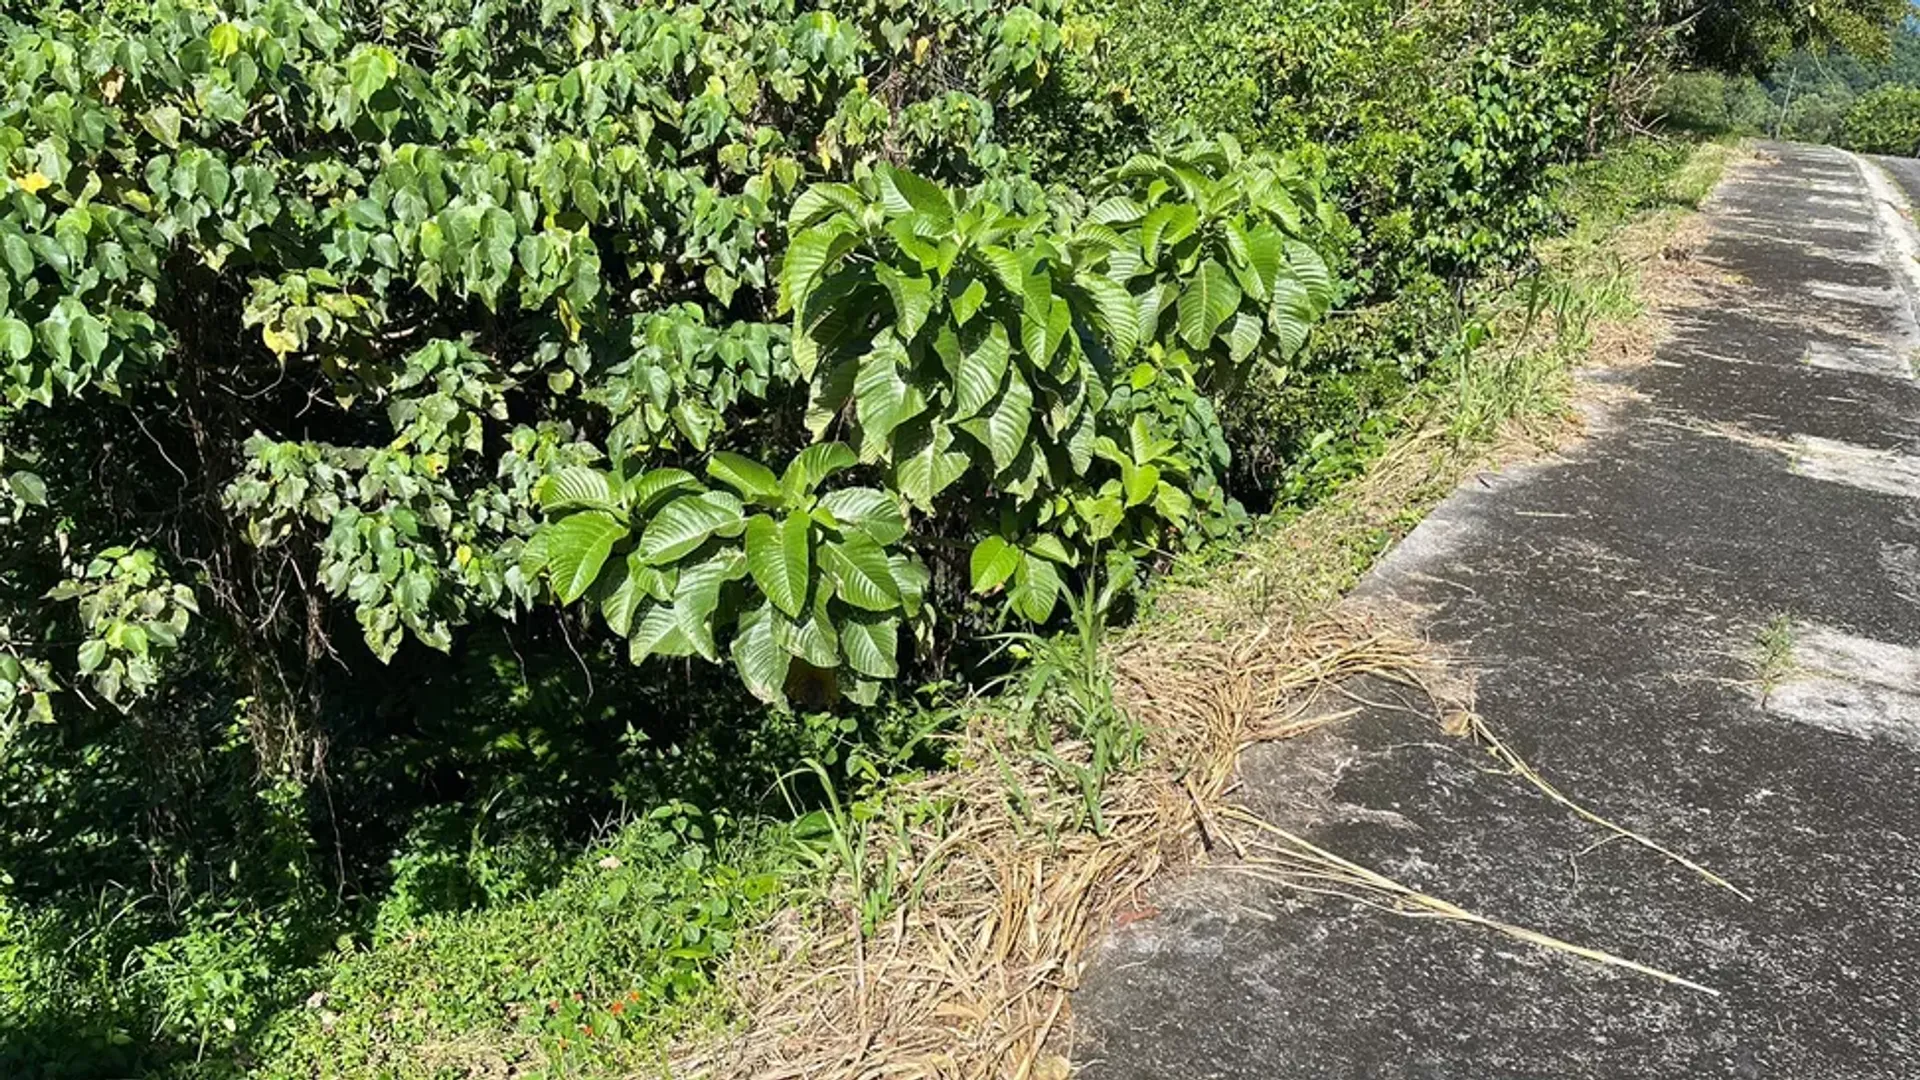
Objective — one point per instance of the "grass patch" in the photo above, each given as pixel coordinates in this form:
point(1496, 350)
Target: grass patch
point(1773, 659)
point(588, 977)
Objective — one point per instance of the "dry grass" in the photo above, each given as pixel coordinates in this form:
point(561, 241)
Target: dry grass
point(971, 978)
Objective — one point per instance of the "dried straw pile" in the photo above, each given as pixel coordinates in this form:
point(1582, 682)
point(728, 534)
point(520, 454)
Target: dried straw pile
point(972, 981)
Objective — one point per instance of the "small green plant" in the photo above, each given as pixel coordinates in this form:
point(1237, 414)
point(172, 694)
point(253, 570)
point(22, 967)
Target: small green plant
point(1064, 701)
point(1773, 661)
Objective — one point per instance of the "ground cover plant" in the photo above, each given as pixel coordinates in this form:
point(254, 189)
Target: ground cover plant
point(440, 440)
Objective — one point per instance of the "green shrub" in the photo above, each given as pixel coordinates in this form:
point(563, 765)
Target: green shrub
point(1437, 125)
point(1694, 101)
point(334, 340)
point(1884, 121)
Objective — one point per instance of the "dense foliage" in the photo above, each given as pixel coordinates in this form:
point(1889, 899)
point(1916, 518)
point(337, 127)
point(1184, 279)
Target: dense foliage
point(1884, 121)
point(423, 426)
point(1748, 37)
point(1806, 97)
point(1439, 123)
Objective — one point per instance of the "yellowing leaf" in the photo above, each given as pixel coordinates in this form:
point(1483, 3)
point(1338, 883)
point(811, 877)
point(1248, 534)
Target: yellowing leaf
point(280, 341)
point(34, 182)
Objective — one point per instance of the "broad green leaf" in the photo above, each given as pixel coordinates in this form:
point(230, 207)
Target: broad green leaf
point(533, 556)
point(1048, 546)
point(1167, 225)
point(1237, 247)
point(992, 563)
point(983, 369)
point(18, 255)
point(659, 634)
point(813, 466)
point(637, 582)
point(1142, 444)
point(164, 123)
point(751, 479)
point(28, 488)
point(1115, 312)
point(70, 231)
point(823, 200)
point(810, 638)
point(761, 661)
point(1064, 362)
point(1153, 304)
point(1243, 337)
point(1006, 266)
point(905, 232)
point(681, 526)
point(883, 398)
point(576, 548)
point(902, 192)
point(1003, 430)
point(369, 70)
point(1036, 589)
point(1174, 505)
point(871, 645)
point(698, 596)
point(924, 460)
point(874, 512)
point(576, 487)
point(89, 337)
point(650, 489)
point(729, 504)
point(1312, 272)
point(1209, 300)
point(779, 556)
point(1080, 442)
point(912, 300)
point(1291, 315)
point(965, 294)
point(1266, 252)
point(1036, 313)
point(828, 395)
point(912, 577)
point(1139, 483)
point(1116, 210)
point(93, 653)
point(1103, 515)
point(860, 572)
point(808, 257)
point(56, 332)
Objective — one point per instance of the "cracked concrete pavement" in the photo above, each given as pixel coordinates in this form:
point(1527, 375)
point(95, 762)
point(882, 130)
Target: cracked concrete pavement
point(1763, 471)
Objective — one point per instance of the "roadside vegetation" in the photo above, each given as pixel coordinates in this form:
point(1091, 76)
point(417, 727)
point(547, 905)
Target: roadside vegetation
point(1862, 95)
point(581, 541)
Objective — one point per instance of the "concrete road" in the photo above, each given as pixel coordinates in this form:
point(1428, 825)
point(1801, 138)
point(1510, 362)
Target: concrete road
point(1763, 472)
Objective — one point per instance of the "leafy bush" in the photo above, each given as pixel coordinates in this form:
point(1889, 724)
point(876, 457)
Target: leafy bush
point(985, 366)
point(1710, 103)
point(1437, 125)
point(1884, 121)
point(418, 327)
point(545, 245)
